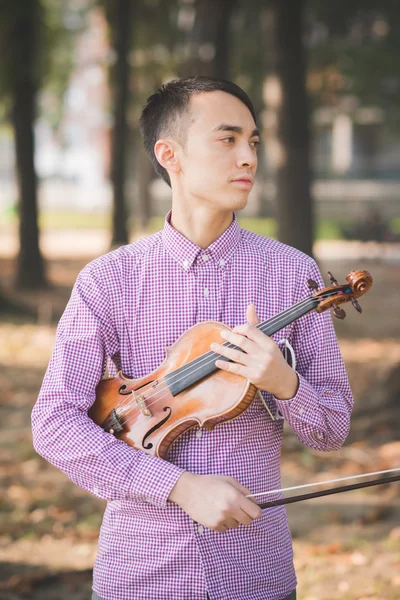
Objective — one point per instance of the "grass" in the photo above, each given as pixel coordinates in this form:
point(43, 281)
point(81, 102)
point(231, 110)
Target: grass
point(325, 229)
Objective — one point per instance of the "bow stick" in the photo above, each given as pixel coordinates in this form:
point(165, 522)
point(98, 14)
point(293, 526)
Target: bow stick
point(328, 492)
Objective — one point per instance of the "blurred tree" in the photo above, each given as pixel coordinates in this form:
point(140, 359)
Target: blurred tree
point(20, 26)
point(120, 16)
point(209, 39)
point(155, 56)
point(36, 39)
point(286, 102)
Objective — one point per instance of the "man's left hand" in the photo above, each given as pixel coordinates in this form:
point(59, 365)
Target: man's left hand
point(261, 361)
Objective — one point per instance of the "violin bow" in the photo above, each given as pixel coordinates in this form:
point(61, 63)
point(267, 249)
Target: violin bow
point(329, 491)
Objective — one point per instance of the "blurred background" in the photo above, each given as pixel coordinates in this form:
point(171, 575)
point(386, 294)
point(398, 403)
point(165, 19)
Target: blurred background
point(75, 182)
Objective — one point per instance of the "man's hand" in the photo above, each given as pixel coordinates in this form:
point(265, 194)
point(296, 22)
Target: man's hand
point(214, 501)
point(261, 361)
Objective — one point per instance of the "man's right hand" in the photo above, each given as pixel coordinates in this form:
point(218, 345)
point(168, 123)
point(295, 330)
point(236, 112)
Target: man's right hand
point(215, 501)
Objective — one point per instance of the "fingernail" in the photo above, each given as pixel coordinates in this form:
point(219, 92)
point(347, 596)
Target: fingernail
point(223, 334)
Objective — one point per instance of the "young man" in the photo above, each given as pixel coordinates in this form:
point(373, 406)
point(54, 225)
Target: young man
point(184, 529)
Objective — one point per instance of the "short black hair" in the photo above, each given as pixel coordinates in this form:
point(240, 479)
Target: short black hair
point(165, 111)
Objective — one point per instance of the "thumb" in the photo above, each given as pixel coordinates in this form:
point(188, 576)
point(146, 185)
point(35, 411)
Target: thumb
point(251, 315)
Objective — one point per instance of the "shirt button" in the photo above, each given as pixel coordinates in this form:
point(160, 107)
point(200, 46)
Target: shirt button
point(199, 433)
point(320, 435)
point(300, 411)
point(200, 529)
point(206, 291)
point(95, 490)
point(185, 263)
point(205, 257)
point(222, 262)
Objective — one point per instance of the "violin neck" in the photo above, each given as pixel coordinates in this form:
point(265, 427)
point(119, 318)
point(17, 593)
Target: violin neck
point(199, 368)
point(289, 315)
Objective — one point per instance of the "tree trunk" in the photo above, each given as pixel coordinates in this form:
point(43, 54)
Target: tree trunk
point(209, 39)
point(288, 99)
point(23, 84)
point(120, 15)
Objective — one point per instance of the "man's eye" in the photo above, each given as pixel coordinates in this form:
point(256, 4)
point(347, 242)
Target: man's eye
point(228, 139)
point(256, 144)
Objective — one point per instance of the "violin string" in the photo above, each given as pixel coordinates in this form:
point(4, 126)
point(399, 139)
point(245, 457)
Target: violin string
point(129, 402)
point(329, 481)
point(200, 364)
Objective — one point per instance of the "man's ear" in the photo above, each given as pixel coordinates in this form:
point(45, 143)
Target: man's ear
point(166, 153)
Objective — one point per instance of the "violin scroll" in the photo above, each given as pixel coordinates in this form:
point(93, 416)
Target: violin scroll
point(359, 282)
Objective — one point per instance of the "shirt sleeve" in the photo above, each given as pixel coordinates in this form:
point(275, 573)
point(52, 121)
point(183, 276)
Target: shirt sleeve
point(64, 434)
point(320, 411)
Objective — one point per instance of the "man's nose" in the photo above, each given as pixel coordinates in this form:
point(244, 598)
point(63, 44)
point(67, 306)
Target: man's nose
point(246, 156)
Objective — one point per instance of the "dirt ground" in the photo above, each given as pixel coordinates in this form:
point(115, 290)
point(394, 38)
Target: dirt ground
point(346, 546)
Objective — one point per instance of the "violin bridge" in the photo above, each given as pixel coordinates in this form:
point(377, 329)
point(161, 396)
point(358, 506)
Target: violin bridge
point(140, 401)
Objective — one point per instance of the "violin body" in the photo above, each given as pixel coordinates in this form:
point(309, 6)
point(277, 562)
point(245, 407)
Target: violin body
point(187, 390)
point(151, 417)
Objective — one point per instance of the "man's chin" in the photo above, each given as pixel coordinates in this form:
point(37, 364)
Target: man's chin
point(239, 202)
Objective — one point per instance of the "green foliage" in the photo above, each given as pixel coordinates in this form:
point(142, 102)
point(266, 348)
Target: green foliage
point(326, 229)
point(62, 24)
point(353, 52)
point(56, 25)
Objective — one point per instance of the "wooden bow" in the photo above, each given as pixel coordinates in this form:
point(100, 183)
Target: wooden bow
point(329, 491)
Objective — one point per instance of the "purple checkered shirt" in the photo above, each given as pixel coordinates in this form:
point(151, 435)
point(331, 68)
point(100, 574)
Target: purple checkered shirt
point(126, 308)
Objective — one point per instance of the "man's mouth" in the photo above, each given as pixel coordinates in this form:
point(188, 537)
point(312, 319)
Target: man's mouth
point(244, 181)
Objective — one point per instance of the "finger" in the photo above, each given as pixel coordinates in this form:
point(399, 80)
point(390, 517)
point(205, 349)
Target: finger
point(222, 528)
point(252, 333)
point(236, 355)
point(251, 315)
point(232, 367)
point(250, 508)
point(243, 518)
point(241, 340)
point(232, 523)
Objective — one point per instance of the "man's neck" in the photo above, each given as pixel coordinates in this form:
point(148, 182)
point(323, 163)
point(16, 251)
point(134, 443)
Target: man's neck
point(201, 226)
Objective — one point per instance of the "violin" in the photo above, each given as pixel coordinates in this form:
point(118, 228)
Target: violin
point(151, 412)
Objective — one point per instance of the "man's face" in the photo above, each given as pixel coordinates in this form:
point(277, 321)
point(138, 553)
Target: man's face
point(219, 159)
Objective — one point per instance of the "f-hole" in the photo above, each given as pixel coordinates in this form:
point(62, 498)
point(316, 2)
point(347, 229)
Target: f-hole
point(157, 426)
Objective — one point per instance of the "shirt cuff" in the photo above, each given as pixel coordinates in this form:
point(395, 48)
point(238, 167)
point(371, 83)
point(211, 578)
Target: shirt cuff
point(302, 405)
point(154, 480)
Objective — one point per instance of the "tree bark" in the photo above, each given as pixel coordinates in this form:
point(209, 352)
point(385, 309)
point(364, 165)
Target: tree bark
point(287, 67)
point(210, 33)
point(120, 16)
point(23, 86)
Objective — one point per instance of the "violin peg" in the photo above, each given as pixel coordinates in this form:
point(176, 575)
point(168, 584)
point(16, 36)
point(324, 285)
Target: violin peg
point(339, 312)
point(356, 305)
point(332, 279)
point(313, 285)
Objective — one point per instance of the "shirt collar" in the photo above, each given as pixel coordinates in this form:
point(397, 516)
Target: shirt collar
point(186, 252)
